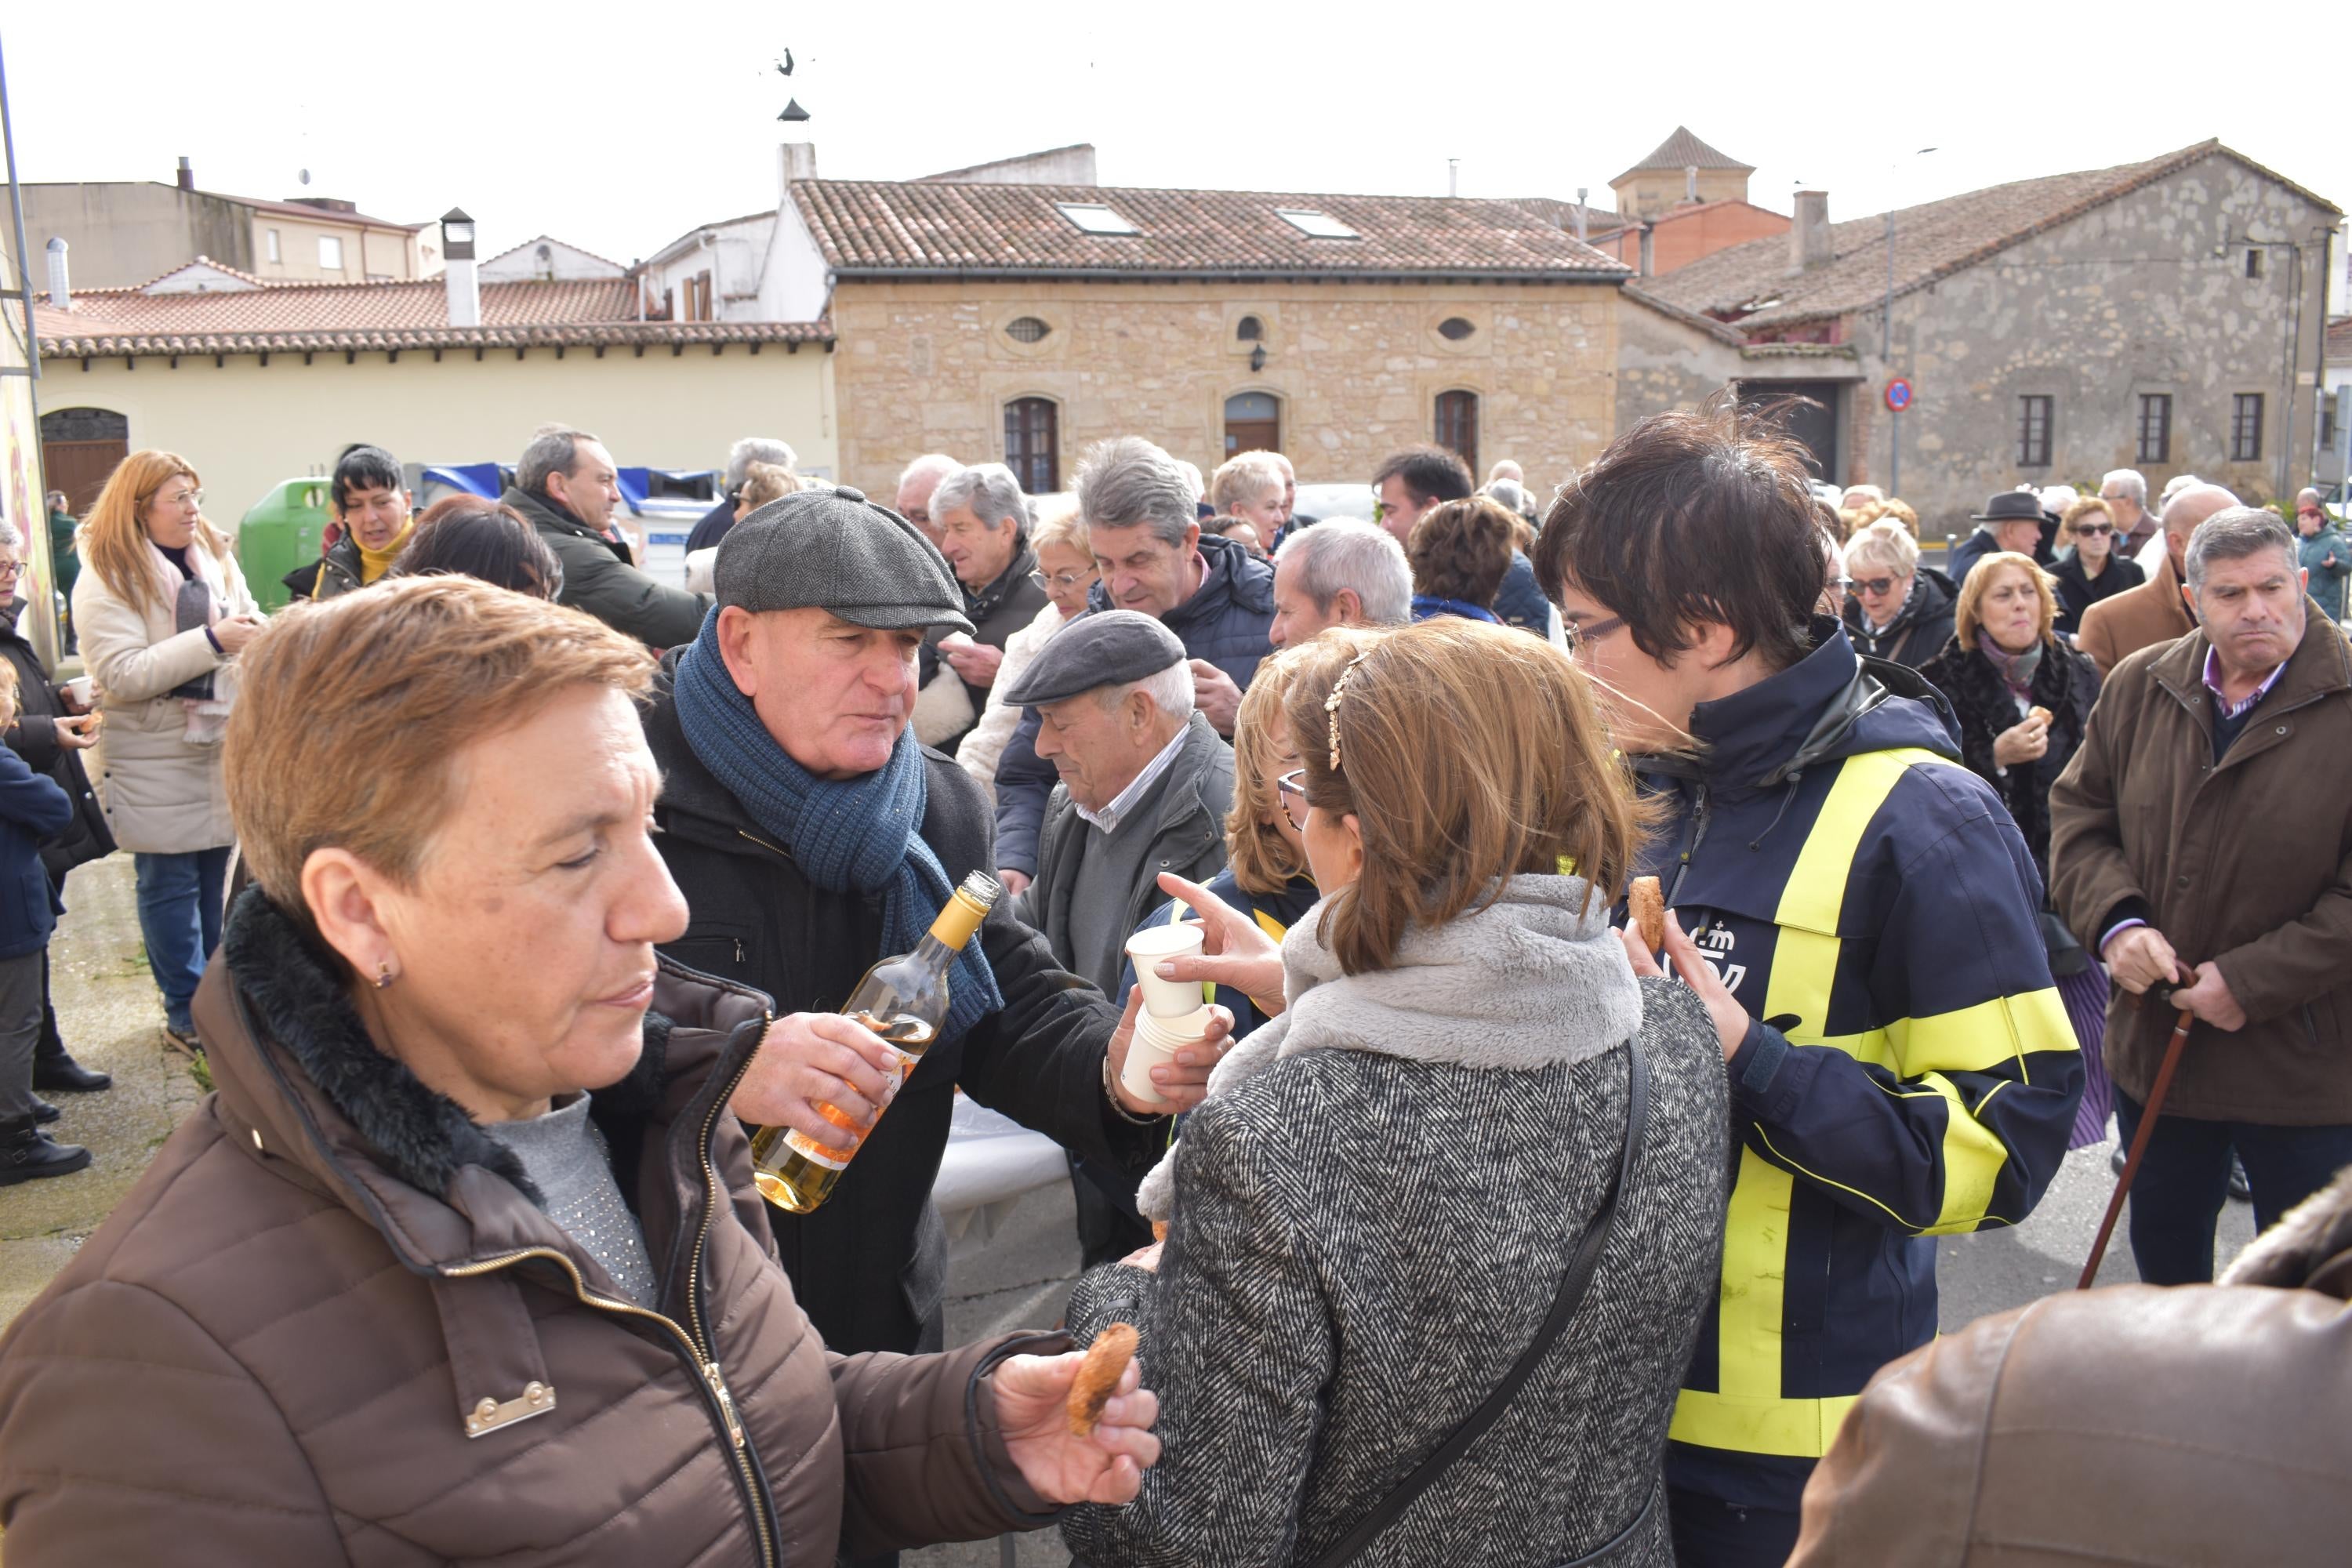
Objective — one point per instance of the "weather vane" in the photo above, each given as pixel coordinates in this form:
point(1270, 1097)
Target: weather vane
point(792, 110)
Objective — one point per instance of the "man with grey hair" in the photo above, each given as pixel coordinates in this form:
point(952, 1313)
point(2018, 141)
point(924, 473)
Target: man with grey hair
point(2199, 839)
point(1342, 572)
point(982, 519)
point(2126, 492)
point(750, 449)
point(566, 486)
point(2153, 612)
point(916, 484)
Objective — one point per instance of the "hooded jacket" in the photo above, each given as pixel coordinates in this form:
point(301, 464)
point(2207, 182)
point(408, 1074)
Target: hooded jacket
point(600, 578)
point(85, 837)
point(1920, 628)
point(2157, 1428)
point(1225, 621)
point(332, 1325)
point(1909, 1071)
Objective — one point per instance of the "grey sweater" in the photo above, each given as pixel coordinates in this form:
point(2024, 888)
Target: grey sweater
point(1371, 1214)
point(564, 1155)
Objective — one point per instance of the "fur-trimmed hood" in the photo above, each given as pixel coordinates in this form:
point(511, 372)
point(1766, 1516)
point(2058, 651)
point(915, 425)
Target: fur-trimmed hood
point(2309, 1249)
point(1534, 978)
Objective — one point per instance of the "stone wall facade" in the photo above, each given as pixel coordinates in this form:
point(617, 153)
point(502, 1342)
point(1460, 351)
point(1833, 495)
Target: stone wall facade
point(1356, 368)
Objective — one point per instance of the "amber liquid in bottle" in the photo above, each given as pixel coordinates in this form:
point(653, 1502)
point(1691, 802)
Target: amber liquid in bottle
point(904, 999)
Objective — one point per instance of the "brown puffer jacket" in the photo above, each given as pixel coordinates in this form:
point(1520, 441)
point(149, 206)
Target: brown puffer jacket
point(2134, 1426)
point(331, 1325)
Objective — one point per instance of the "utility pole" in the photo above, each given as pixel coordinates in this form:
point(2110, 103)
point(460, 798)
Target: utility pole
point(1886, 337)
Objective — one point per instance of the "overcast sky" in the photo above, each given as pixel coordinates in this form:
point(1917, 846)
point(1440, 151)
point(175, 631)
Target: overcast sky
point(618, 127)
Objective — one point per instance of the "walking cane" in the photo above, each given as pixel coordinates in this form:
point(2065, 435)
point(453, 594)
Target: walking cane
point(2139, 1141)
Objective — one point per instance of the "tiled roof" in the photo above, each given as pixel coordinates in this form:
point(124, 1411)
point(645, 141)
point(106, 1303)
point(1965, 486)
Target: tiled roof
point(1681, 151)
point(876, 227)
point(1563, 215)
point(294, 317)
point(1751, 283)
point(318, 214)
point(2339, 340)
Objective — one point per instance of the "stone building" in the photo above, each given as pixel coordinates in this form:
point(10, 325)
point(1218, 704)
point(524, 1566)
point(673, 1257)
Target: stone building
point(1018, 322)
point(2167, 316)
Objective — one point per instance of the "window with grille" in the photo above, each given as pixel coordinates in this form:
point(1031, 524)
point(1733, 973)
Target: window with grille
point(1250, 329)
point(1026, 329)
point(1032, 444)
point(2253, 263)
point(2155, 428)
point(2246, 427)
point(2034, 431)
point(1457, 425)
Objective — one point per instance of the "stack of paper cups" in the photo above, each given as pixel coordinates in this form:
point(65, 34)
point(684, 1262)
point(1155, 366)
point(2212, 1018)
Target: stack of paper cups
point(1174, 1015)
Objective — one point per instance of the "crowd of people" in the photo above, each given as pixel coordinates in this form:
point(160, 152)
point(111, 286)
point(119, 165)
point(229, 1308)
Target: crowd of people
point(502, 885)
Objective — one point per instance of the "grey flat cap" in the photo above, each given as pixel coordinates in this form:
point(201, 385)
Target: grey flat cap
point(1108, 648)
point(836, 551)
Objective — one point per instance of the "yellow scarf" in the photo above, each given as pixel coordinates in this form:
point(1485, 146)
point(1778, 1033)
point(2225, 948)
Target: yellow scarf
point(374, 563)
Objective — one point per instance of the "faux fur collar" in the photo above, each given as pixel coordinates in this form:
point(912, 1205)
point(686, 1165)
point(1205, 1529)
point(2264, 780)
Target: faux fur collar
point(295, 992)
point(1534, 979)
point(2310, 1249)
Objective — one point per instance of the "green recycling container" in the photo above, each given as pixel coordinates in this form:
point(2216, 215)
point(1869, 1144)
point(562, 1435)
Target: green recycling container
point(282, 531)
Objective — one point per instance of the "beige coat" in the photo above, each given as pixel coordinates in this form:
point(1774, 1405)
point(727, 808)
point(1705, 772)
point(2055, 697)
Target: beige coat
point(163, 795)
point(983, 745)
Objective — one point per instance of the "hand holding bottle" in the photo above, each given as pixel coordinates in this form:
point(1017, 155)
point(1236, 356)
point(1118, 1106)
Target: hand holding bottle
point(809, 1059)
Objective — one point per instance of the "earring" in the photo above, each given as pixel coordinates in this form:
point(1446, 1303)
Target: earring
point(383, 974)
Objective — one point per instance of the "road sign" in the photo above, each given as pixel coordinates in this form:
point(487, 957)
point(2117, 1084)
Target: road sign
point(1898, 396)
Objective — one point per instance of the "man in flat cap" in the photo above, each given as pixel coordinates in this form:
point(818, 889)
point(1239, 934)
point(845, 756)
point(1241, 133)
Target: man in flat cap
point(813, 834)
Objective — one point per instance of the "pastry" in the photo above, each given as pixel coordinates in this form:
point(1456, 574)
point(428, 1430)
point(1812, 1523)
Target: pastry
point(2042, 714)
point(1647, 907)
point(1098, 1376)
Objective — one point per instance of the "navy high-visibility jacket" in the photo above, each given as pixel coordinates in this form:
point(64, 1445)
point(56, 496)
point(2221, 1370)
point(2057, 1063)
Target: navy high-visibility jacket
point(1910, 1072)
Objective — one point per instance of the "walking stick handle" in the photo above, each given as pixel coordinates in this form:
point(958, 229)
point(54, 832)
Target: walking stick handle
point(2154, 1108)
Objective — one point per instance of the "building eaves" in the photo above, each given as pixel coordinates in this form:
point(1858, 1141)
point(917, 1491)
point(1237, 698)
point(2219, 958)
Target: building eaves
point(1721, 331)
point(104, 345)
point(684, 240)
point(554, 239)
point(315, 215)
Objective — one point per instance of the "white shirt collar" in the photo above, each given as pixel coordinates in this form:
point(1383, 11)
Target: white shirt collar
point(1111, 817)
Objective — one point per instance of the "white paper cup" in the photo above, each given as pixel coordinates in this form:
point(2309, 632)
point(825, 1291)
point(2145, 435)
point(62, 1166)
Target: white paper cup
point(82, 687)
point(1155, 1044)
point(1153, 946)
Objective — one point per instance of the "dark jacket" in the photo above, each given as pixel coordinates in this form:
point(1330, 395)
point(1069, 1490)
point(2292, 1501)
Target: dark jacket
point(1519, 602)
point(870, 1266)
point(2163, 1428)
point(2078, 591)
point(1186, 836)
point(32, 808)
point(1273, 913)
point(86, 836)
point(1910, 1072)
point(599, 578)
point(996, 611)
point(1363, 1244)
point(338, 570)
point(1920, 628)
point(1225, 621)
point(2245, 863)
point(2065, 682)
point(712, 525)
point(273, 1350)
point(2326, 585)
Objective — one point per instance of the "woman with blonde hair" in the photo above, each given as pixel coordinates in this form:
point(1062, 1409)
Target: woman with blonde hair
point(1469, 1185)
point(163, 612)
point(2023, 697)
point(1901, 611)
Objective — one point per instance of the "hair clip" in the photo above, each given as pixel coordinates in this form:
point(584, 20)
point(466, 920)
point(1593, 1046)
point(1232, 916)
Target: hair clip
point(1331, 703)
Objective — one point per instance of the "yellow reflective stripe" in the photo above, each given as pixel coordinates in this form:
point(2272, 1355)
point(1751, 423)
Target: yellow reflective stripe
point(1268, 924)
point(1972, 1161)
point(1751, 1321)
point(1815, 892)
point(1799, 1428)
point(1804, 967)
point(1987, 1035)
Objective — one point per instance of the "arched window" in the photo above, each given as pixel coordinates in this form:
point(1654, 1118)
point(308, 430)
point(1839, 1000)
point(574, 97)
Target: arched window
point(1026, 329)
point(1454, 328)
point(1032, 444)
point(1457, 425)
point(1250, 329)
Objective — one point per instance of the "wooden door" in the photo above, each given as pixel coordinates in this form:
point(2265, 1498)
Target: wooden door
point(1252, 423)
point(79, 448)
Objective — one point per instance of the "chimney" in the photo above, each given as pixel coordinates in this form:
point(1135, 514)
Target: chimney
point(1648, 255)
point(1582, 192)
point(1809, 235)
point(187, 176)
point(61, 285)
point(796, 160)
point(1690, 182)
point(458, 278)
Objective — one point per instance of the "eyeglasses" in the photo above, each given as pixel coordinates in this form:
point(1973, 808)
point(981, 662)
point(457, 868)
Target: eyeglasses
point(2092, 530)
point(1579, 633)
point(1291, 790)
point(11, 568)
point(2309, 511)
point(1874, 586)
point(193, 498)
point(1065, 579)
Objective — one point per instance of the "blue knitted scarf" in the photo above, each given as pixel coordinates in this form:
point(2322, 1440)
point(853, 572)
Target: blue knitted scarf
point(862, 835)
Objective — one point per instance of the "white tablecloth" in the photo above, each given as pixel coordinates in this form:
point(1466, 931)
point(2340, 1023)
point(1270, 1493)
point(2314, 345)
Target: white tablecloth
point(990, 1162)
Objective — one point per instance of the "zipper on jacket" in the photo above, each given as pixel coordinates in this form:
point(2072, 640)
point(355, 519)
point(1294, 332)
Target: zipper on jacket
point(1693, 837)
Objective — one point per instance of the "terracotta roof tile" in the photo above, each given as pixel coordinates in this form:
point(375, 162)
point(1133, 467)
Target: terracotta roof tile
point(1681, 151)
point(311, 316)
point(2339, 340)
point(867, 227)
point(1752, 285)
point(1563, 215)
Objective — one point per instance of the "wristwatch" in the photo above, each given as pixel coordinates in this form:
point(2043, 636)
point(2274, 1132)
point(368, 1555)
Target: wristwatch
point(1112, 1095)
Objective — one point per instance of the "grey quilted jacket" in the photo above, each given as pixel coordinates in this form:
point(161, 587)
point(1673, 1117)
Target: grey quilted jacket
point(1363, 1242)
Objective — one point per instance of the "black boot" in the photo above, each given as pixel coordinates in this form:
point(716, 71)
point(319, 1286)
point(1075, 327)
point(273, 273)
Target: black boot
point(52, 1067)
point(27, 1153)
point(43, 1112)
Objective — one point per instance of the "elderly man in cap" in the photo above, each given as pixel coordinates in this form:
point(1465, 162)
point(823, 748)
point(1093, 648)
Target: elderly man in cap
point(1145, 787)
point(811, 835)
point(2012, 521)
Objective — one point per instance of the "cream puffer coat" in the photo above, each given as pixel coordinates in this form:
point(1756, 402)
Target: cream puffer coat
point(163, 795)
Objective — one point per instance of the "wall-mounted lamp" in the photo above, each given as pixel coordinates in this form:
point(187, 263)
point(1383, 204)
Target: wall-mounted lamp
point(1257, 357)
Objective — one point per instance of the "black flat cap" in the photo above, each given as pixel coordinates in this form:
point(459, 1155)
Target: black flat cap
point(836, 551)
point(1108, 648)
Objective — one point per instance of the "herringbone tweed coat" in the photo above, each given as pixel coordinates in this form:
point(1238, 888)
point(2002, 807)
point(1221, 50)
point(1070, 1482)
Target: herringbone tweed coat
point(1363, 1241)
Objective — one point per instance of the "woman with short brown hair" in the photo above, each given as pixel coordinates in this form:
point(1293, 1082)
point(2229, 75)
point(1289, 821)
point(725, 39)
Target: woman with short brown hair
point(463, 1260)
point(1388, 1191)
point(2088, 569)
point(1460, 552)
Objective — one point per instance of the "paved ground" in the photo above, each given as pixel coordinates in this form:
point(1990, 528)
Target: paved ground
point(1018, 1279)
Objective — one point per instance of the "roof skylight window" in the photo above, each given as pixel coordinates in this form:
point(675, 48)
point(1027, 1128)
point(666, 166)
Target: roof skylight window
point(1316, 224)
point(1096, 218)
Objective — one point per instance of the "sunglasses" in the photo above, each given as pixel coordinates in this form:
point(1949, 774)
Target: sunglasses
point(1579, 633)
point(2092, 530)
point(1874, 586)
point(1291, 790)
